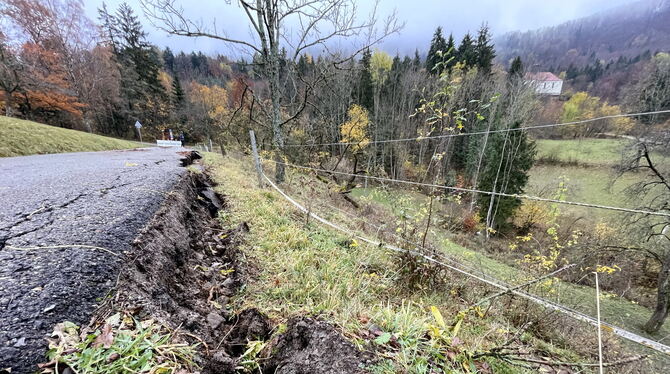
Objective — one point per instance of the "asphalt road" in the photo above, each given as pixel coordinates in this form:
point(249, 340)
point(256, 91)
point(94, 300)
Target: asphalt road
point(51, 208)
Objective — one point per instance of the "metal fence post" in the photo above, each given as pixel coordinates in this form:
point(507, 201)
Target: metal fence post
point(257, 160)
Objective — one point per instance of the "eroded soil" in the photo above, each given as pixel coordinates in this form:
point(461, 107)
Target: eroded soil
point(185, 270)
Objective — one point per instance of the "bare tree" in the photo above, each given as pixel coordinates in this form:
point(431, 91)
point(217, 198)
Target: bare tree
point(294, 26)
point(652, 233)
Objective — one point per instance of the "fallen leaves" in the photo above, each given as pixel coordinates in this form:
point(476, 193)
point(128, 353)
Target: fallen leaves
point(106, 337)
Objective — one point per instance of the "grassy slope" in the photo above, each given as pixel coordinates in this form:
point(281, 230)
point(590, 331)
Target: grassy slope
point(583, 151)
point(309, 269)
point(22, 138)
point(313, 270)
point(615, 310)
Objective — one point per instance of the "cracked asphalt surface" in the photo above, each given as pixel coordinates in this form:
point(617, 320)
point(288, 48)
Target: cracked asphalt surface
point(53, 209)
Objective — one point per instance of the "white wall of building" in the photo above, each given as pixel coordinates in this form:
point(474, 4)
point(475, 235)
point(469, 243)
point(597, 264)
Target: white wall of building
point(548, 87)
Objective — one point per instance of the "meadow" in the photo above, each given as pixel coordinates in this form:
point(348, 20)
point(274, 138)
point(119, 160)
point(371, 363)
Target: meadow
point(23, 138)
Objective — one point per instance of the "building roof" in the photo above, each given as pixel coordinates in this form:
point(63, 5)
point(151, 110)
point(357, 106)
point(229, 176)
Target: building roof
point(544, 76)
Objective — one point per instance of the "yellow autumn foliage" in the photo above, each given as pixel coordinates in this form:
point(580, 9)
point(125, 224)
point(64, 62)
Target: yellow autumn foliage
point(355, 129)
point(212, 100)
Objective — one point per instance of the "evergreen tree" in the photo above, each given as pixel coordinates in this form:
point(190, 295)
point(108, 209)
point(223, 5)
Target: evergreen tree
point(416, 62)
point(168, 60)
point(485, 50)
point(365, 94)
point(438, 47)
point(467, 53)
point(452, 58)
point(139, 64)
point(178, 96)
point(516, 69)
point(572, 72)
point(303, 64)
point(510, 155)
point(135, 50)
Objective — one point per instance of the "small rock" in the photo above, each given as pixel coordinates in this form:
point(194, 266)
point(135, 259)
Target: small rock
point(49, 308)
point(214, 320)
point(228, 283)
point(21, 342)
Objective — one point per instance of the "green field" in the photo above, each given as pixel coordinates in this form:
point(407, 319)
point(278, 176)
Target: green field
point(22, 138)
point(588, 166)
point(583, 151)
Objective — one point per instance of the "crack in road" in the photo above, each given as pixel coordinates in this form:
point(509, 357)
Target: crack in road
point(28, 217)
point(87, 199)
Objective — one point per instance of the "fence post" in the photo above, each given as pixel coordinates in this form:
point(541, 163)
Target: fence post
point(257, 161)
point(600, 338)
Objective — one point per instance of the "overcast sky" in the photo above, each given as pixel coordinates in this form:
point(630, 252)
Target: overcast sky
point(421, 17)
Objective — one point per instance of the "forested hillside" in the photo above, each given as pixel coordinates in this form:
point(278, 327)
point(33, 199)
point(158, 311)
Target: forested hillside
point(628, 31)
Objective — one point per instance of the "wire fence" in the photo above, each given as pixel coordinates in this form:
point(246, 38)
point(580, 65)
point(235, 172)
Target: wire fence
point(459, 266)
point(491, 281)
point(496, 131)
point(491, 193)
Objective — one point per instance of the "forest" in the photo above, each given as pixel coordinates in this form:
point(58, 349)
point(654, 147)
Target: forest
point(450, 118)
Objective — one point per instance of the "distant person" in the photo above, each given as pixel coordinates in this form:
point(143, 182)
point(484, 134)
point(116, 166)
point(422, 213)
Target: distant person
point(181, 137)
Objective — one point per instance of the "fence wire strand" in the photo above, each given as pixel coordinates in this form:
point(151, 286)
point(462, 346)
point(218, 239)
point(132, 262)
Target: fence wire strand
point(491, 193)
point(421, 138)
point(511, 290)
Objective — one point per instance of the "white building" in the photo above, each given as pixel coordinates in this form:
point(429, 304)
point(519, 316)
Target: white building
point(545, 83)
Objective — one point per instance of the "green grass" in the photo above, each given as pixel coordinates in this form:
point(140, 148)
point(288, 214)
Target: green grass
point(22, 138)
point(615, 310)
point(592, 183)
point(583, 151)
point(595, 185)
point(310, 269)
point(587, 151)
point(306, 268)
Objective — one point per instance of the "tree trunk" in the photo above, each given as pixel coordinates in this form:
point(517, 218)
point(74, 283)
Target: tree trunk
point(8, 104)
point(277, 134)
point(223, 149)
point(663, 299)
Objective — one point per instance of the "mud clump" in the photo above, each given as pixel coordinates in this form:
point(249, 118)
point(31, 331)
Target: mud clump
point(312, 346)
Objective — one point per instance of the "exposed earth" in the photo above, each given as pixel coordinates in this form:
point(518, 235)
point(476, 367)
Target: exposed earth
point(87, 235)
point(65, 223)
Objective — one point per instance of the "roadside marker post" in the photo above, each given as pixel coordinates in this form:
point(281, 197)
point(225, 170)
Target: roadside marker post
point(257, 160)
point(138, 126)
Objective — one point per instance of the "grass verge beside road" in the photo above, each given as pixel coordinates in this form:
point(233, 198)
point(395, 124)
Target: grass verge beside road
point(306, 268)
point(21, 138)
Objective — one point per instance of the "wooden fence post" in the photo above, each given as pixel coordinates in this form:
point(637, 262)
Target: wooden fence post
point(257, 160)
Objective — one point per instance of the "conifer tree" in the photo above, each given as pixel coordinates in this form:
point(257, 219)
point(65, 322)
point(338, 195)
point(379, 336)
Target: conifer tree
point(467, 53)
point(177, 92)
point(509, 157)
point(438, 44)
point(365, 94)
point(168, 60)
point(516, 69)
point(138, 63)
point(485, 50)
point(452, 58)
point(416, 62)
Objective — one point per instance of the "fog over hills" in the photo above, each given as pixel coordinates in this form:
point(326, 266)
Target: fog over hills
point(627, 31)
